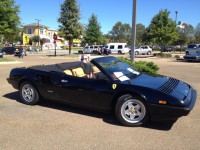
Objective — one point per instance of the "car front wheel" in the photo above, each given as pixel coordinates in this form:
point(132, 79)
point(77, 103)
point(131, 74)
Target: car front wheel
point(28, 94)
point(131, 111)
point(136, 53)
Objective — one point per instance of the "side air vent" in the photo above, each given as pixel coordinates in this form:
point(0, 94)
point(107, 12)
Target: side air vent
point(168, 86)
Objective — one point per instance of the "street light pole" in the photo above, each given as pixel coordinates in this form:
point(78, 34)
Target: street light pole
point(176, 12)
point(38, 23)
point(133, 30)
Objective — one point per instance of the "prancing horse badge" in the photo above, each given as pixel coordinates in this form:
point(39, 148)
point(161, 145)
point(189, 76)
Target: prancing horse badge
point(114, 86)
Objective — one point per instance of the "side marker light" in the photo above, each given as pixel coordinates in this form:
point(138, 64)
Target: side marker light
point(162, 102)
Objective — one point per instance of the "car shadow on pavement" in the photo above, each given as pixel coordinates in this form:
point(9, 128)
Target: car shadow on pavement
point(106, 117)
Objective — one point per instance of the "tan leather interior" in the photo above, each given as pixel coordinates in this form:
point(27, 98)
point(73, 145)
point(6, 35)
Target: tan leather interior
point(68, 72)
point(95, 69)
point(79, 72)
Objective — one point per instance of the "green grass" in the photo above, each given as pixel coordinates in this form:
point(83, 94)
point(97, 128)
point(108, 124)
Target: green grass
point(73, 48)
point(65, 56)
point(5, 60)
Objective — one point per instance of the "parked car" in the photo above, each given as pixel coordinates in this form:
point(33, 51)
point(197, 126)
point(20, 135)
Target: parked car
point(18, 52)
point(143, 50)
point(1, 54)
point(104, 51)
point(166, 49)
point(192, 57)
point(91, 49)
point(117, 48)
point(8, 50)
point(106, 84)
point(192, 48)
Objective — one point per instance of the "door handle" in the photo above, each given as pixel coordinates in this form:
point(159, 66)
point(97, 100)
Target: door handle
point(64, 81)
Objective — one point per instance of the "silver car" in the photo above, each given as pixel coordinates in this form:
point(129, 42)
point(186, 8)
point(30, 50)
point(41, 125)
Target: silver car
point(192, 49)
point(143, 50)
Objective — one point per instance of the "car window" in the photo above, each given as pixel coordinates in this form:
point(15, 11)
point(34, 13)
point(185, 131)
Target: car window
point(118, 70)
point(112, 46)
point(119, 47)
point(125, 46)
point(192, 46)
point(96, 47)
point(91, 46)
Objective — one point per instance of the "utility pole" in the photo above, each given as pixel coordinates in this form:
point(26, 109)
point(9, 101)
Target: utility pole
point(38, 23)
point(176, 12)
point(133, 30)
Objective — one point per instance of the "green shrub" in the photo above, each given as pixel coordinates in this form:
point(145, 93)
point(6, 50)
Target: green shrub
point(1, 45)
point(163, 55)
point(177, 56)
point(143, 66)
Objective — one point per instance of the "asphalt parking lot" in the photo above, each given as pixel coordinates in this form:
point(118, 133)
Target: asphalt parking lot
point(55, 126)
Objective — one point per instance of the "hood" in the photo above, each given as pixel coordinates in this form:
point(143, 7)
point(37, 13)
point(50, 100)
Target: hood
point(153, 82)
point(164, 84)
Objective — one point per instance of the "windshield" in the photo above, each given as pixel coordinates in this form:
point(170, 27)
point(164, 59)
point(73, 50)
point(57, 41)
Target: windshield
point(117, 69)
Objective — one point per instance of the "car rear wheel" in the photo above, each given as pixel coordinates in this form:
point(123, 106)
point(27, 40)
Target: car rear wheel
point(28, 93)
point(187, 53)
point(131, 111)
point(119, 52)
point(148, 53)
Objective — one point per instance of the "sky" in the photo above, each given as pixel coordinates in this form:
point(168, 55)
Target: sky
point(109, 12)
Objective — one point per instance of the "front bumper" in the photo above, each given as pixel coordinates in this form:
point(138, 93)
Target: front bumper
point(192, 58)
point(167, 113)
point(14, 83)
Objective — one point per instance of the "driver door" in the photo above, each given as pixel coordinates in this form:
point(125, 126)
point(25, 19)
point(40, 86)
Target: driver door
point(86, 92)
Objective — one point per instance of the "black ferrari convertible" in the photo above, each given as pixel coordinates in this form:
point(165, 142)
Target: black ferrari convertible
point(109, 85)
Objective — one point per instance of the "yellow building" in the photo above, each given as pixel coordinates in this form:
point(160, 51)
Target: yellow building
point(44, 32)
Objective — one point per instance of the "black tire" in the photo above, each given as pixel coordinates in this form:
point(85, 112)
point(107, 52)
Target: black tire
point(80, 52)
point(187, 53)
point(197, 52)
point(136, 53)
point(119, 52)
point(28, 93)
point(148, 53)
point(134, 116)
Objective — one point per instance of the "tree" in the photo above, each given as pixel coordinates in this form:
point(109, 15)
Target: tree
point(188, 31)
point(10, 20)
point(140, 34)
point(69, 17)
point(121, 32)
point(197, 33)
point(182, 39)
point(93, 34)
point(162, 29)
